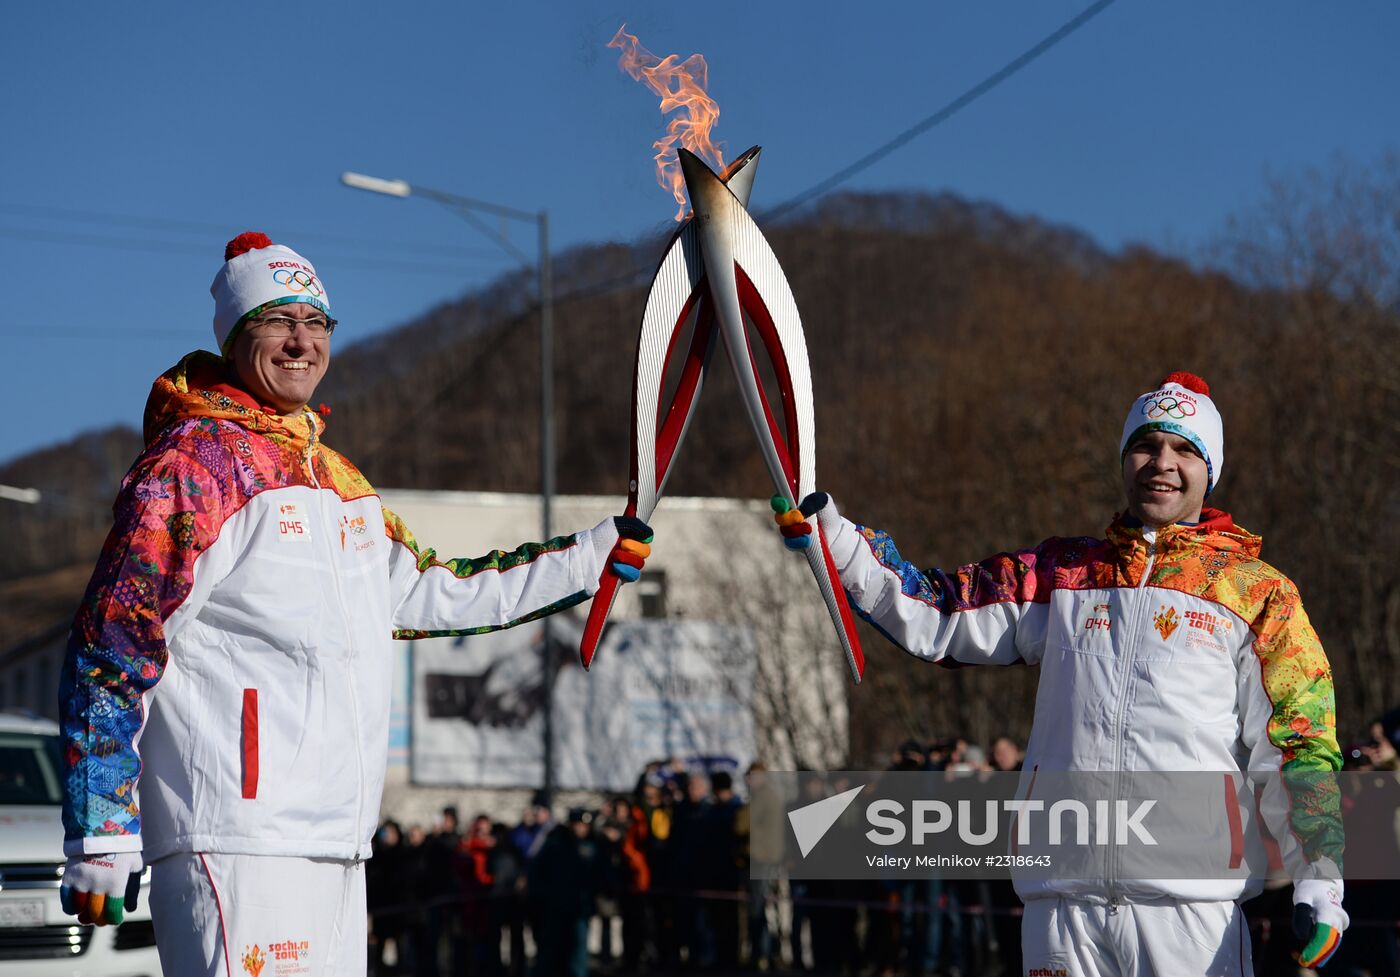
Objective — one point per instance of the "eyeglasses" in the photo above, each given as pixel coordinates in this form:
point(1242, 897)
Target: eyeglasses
point(284, 326)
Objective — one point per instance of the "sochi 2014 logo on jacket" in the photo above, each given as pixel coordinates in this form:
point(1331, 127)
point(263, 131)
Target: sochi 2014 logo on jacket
point(1166, 621)
point(288, 958)
point(1206, 630)
point(253, 960)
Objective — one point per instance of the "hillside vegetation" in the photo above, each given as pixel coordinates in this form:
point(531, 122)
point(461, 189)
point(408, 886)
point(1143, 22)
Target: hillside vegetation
point(972, 370)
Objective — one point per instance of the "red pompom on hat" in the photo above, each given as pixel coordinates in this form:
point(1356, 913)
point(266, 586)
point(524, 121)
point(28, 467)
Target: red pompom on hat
point(1190, 381)
point(245, 242)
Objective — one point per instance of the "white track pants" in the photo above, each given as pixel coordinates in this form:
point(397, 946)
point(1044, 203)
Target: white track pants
point(260, 915)
point(1065, 938)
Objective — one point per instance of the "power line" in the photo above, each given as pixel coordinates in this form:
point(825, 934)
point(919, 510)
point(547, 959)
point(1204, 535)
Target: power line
point(219, 230)
point(635, 276)
point(172, 247)
point(45, 333)
point(630, 279)
point(942, 115)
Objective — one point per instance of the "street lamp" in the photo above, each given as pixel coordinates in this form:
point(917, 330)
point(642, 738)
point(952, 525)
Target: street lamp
point(467, 208)
point(30, 496)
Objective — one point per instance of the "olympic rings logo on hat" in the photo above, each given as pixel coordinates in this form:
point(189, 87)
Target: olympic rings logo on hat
point(298, 281)
point(1168, 407)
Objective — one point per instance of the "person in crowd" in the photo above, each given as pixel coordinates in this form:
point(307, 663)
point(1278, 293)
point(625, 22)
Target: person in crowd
point(535, 822)
point(1004, 905)
point(911, 755)
point(1006, 754)
point(940, 753)
point(637, 926)
point(612, 881)
point(441, 888)
point(528, 838)
point(802, 931)
point(657, 808)
point(759, 828)
point(563, 886)
point(476, 885)
point(719, 871)
point(507, 904)
point(628, 881)
point(687, 843)
point(388, 882)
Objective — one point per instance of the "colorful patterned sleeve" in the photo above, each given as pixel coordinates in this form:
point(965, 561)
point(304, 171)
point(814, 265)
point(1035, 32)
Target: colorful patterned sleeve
point(1295, 732)
point(433, 597)
point(976, 614)
point(165, 516)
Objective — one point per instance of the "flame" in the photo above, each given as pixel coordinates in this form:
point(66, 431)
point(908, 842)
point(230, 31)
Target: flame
point(681, 85)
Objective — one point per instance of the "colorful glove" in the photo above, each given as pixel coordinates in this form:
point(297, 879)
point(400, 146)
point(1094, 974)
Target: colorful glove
point(1318, 920)
point(793, 523)
point(632, 548)
point(99, 888)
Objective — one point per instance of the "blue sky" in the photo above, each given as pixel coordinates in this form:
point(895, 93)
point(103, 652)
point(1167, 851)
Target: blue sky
point(140, 137)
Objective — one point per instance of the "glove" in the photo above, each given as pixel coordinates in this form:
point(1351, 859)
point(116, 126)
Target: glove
point(99, 888)
point(632, 548)
point(1318, 920)
point(793, 523)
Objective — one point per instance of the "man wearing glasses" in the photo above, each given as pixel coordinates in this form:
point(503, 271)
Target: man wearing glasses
point(225, 698)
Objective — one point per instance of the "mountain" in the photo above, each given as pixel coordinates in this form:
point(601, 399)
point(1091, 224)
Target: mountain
point(971, 369)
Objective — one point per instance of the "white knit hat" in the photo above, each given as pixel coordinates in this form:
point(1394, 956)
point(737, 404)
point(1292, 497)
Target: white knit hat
point(1180, 405)
point(258, 275)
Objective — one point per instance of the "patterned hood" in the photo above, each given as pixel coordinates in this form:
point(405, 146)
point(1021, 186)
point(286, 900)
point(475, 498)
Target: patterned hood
point(1215, 531)
point(201, 385)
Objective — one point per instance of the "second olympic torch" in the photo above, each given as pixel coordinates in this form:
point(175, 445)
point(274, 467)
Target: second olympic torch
point(743, 277)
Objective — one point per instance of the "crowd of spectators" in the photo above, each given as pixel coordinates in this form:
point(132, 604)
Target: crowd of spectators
point(661, 879)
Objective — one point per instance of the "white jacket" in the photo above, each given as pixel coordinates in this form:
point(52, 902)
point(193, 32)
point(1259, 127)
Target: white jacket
point(234, 645)
point(1178, 650)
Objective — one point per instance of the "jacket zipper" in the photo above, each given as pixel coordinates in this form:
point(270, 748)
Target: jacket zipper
point(1134, 641)
point(349, 642)
point(310, 448)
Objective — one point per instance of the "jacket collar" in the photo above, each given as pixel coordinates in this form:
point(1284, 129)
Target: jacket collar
point(200, 386)
point(1216, 531)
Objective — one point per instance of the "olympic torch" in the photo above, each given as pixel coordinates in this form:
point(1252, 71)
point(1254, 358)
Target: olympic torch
point(657, 430)
point(743, 276)
point(719, 268)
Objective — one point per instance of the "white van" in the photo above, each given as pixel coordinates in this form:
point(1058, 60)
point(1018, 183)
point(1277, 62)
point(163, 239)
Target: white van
point(37, 938)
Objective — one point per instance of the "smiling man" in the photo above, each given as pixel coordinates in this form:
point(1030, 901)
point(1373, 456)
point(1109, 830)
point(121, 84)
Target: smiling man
point(225, 699)
point(1167, 646)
